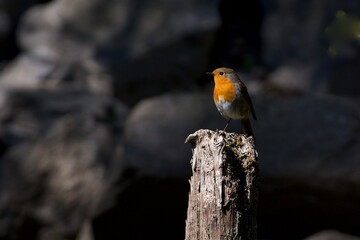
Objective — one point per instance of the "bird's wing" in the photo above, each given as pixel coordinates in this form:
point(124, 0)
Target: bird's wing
point(248, 99)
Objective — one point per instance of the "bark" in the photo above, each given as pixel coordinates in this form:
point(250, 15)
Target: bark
point(223, 188)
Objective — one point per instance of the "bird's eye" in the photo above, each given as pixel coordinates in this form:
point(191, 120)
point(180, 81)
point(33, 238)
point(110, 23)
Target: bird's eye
point(221, 73)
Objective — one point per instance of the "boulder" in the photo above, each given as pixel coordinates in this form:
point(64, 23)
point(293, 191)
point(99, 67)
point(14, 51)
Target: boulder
point(292, 78)
point(306, 135)
point(331, 235)
point(61, 160)
point(157, 127)
point(308, 150)
point(10, 14)
point(138, 47)
point(32, 72)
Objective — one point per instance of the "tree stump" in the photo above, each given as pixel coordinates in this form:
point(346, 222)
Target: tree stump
point(223, 188)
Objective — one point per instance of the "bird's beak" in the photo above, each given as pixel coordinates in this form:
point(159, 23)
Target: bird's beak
point(210, 73)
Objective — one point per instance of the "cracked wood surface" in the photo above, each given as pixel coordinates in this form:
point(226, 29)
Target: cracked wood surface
point(223, 187)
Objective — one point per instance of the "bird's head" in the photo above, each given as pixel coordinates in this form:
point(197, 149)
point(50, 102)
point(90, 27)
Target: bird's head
point(223, 72)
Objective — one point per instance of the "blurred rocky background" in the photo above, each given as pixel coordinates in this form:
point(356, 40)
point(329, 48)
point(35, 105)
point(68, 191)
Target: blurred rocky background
point(97, 98)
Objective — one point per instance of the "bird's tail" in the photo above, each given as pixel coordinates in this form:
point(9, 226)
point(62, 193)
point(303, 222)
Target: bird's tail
point(247, 125)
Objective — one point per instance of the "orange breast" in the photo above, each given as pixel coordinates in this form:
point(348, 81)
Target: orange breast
point(224, 89)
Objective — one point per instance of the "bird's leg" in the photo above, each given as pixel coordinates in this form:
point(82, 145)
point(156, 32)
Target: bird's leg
point(228, 121)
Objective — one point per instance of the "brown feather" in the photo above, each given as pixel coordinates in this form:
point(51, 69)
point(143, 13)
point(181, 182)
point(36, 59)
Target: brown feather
point(245, 94)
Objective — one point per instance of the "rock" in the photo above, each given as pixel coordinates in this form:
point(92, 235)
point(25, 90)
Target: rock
point(61, 170)
point(31, 72)
point(10, 14)
point(308, 148)
point(157, 127)
point(331, 235)
point(26, 72)
point(86, 232)
point(292, 78)
point(315, 132)
point(127, 41)
point(27, 114)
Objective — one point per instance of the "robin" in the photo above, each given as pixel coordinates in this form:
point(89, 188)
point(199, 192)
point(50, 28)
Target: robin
point(232, 98)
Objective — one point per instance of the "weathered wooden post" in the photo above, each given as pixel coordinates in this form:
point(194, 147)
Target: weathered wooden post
point(224, 192)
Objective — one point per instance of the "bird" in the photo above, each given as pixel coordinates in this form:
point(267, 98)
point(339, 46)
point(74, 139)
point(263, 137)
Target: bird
point(232, 99)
